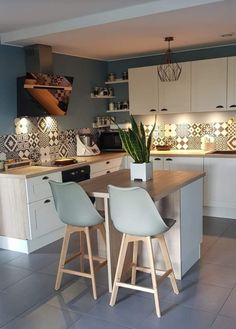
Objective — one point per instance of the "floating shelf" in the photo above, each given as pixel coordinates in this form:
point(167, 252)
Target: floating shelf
point(104, 97)
point(100, 126)
point(117, 111)
point(116, 81)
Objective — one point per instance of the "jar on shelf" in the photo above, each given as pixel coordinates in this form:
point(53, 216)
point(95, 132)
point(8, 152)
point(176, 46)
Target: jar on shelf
point(110, 91)
point(125, 75)
point(111, 76)
point(111, 106)
point(125, 105)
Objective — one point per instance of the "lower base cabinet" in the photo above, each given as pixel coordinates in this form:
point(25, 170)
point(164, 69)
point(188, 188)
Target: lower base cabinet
point(105, 167)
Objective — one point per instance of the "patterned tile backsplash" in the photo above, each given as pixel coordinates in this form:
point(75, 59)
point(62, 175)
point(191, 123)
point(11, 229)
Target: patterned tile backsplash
point(40, 139)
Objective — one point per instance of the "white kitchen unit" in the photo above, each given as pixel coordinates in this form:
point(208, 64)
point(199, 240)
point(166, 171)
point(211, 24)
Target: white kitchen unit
point(157, 162)
point(220, 187)
point(231, 90)
point(183, 163)
point(29, 218)
point(143, 90)
point(106, 167)
point(209, 83)
point(174, 97)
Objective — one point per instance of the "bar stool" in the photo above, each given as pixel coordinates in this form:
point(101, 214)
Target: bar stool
point(134, 214)
point(76, 210)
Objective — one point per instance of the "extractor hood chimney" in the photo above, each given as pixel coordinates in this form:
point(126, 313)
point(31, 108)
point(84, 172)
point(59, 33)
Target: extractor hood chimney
point(38, 59)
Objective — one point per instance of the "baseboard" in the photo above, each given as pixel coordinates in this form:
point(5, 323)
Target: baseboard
point(219, 212)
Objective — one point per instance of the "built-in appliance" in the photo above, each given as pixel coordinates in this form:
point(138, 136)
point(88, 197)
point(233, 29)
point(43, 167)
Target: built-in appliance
point(76, 175)
point(110, 141)
point(42, 93)
point(85, 146)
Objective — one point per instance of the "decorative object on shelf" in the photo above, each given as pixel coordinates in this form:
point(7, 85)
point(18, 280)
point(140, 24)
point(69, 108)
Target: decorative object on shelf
point(125, 75)
point(102, 92)
point(169, 71)
point(111, 76)
point(138, 145)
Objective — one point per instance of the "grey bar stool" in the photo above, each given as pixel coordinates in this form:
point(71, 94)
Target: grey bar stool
point(135, 215)
point(76, 210)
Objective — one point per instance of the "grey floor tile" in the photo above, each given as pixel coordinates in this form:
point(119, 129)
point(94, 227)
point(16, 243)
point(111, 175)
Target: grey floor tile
point(215, 226)
point(220, 256)
point(226, 243)
point(223, 322)
point(129, 310)
point(200, 296)
point(88, 322)
point(6, 256)
point(221, 276)
point(44, 317)
point(34, 261)
point(229, 308)
point(33, 289)
point(230, 232)
point(178, 316)
point(76, 297)
point(208, 242)
point(10, 275)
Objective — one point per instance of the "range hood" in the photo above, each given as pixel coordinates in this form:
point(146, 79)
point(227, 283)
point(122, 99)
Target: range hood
point(40, 92)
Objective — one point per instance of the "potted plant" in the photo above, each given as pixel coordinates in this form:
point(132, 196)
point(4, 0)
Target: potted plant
point(138, 145)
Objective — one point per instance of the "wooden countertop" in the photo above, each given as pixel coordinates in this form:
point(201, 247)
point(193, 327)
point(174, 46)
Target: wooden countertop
point(32, 171)
point(163, 182)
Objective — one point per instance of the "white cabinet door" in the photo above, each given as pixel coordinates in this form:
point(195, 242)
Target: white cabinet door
point(38, 187)
point(143, 89)
point(209, 81)
point(220, 185)
point(183, 163)
point(174, 97)
point(157, 162)
point(231, 92)
point(43, 218)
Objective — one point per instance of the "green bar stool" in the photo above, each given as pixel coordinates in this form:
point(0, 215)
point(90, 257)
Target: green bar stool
point(76, 210)
point(135, 215)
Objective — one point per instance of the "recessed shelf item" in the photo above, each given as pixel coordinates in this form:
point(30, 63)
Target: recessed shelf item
point(99, 96)
point(100, 126)
point(117, 111)
point(116, 81)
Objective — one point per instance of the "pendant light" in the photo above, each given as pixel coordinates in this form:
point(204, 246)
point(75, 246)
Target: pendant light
point(169, 71)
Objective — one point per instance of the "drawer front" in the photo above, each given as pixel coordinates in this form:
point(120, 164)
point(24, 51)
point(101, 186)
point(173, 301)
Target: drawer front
point(43, 218)
point(104, 166)
point(38, 187)
point(104, 172)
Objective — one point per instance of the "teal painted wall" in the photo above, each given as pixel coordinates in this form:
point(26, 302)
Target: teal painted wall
point(82, 109)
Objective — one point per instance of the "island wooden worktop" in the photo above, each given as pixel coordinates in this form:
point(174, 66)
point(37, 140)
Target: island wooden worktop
point(163, 182)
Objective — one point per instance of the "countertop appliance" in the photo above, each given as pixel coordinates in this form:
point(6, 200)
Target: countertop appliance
point(110, 141)
point(86, 150)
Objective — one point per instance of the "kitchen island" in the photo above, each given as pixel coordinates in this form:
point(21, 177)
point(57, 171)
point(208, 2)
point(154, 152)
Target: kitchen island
point(178, 195)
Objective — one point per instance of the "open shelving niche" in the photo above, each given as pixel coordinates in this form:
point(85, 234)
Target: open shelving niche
point(117, 81)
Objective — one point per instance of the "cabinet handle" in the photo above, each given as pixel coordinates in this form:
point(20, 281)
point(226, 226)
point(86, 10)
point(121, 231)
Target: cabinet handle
point(152, 110)
point(219, 106)
point(164, 110)
point(158, 159)
point(108, 171)
point(47, 201)
point(45, 177)
point(232, 106)
point(107, 162)
point(169, 159)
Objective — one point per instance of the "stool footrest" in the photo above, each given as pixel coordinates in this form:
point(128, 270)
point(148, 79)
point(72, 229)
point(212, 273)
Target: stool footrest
point(86, 275)
point(135, 287)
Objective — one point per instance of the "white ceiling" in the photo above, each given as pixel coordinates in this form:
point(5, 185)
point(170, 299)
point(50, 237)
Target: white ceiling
point(113, 29)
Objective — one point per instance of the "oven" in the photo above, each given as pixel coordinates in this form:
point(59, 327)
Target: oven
point(76, 175)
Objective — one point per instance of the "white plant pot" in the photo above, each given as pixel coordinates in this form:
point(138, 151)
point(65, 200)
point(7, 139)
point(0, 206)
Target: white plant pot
point(141, 171)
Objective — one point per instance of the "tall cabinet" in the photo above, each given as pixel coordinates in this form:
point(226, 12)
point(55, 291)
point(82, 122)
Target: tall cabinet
point(209, 80)
point(143, 89)
point(231, 90)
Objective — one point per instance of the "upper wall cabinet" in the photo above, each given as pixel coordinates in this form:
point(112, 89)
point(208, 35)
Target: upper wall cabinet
point(143, 90)
point(174, 97)
point(209, 81)
point(231, 90)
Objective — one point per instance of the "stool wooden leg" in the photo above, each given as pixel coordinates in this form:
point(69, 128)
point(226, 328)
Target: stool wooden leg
point(167, 262)
point(119, 268)
point(153, 275)
point(81, 242)
point(134, 262)
point(64, 249)
point(91, 262)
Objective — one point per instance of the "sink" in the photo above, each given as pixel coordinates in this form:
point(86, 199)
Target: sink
point(225, 152)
